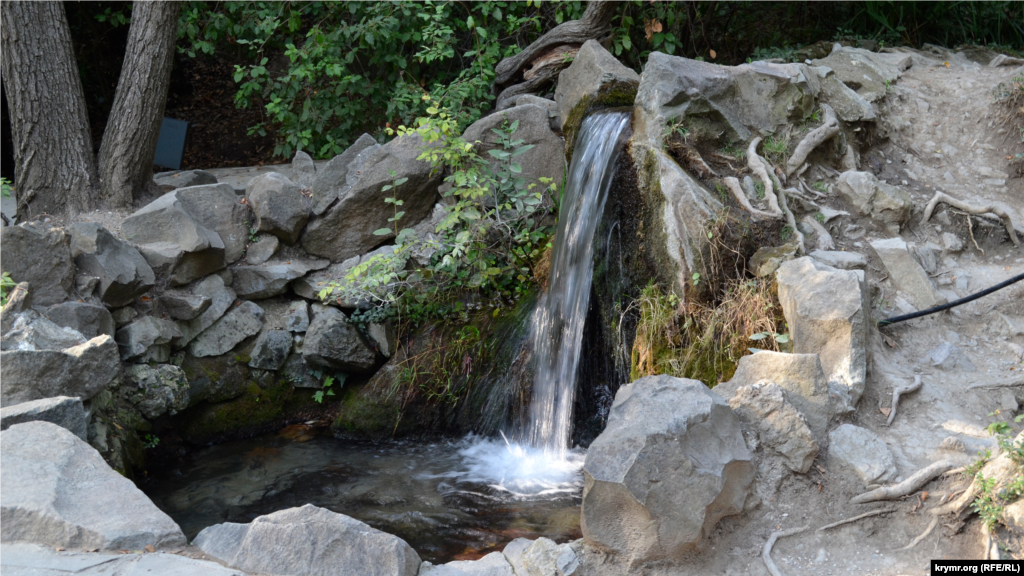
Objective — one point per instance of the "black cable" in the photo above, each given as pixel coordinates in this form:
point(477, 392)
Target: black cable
point(952, 304)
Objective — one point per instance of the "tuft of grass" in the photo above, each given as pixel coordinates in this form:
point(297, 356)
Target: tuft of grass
point(775, 148)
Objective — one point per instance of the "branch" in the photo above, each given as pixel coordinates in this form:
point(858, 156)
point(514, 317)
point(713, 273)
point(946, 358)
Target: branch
point(918, 479)
point(815, 137)
point(737, 192)
point(897, 392)
point(766, 552)
point(971, 209)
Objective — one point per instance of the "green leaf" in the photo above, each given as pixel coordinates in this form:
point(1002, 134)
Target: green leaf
point(481, 32)
point(401, 181)
point(499, 154)
point(523, 149)
point(516, 168)
point(782, 338)
point(759, 336)
point(383, 231)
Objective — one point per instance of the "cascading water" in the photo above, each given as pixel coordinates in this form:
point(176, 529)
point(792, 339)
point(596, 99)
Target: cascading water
point(557, 323)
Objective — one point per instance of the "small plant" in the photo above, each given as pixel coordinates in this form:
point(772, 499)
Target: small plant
point(329, 381)
point(819, 217)
point(253, 231)
point(786, 233)
point(888, 85)
point(696, 278)
point(678, 127)
point(759, 190)
point(780, 338)
point(775, 148)
point(5, 188)
point(820, 186)
point(6, 283)
point(150, 441)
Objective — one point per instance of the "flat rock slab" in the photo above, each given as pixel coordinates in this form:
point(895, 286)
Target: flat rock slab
point(57, 491)
point(238, 324)
point(64, 411)
point(860, 451)
point(82, 371)
point(34, 560)
point(493, 564)
point(907, 274)
point(308, 541)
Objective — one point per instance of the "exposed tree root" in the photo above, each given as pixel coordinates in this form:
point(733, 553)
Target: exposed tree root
point(693, 161)
point(815, 137)
point(1004, 384)
point(991, 544)
point(737, 192)
point(899, 391)
point(823, 240)
point(855, 518)
point(971, 209)
point(916, 480)
point(757, 166)
point(791, 220)
point(955, 506)
point(766, 552)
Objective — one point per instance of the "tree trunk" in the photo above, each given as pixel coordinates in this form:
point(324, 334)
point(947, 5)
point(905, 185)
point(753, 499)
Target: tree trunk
point(129, 140)
point(55, 171)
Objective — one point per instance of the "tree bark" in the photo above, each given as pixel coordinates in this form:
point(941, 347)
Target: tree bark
point(129, 140)
point(55, 171)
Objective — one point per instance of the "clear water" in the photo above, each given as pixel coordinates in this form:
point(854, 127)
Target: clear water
point(448, 500)
point(556, 329)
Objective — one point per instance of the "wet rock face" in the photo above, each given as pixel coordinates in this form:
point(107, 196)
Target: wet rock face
point(59, 492)
point(594, 73)
point(670, 464)
point(40, 255)
point(308, 541)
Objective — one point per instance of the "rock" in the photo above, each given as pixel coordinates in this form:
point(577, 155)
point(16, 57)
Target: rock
point(137, 339)
point(541, 557)
point(767, 260)
point(337, 176)
point(262, 250)
point(271, 350)
point(123, 273)
point(32, 332)
point(63, 411)
point(949, 357)
point(554, 120)
point(40, 255)
point(848, 104)
point(383, 338)
point(308, 541)
point(174, 244)
point(593, 76)
point(160, 389)
point(296, 371)
point(237, 325)
point(271, 278)
point(18, 300)
point(303, 169)
point(858, 450)
point(869, 196)
point(296, 317)
point(182, 305)
point(951, 242)
point(800, 375)
point(547, 157)
point(168, 181)
point(218, 208)
point(430, 238)
point(30, 559)
point(669, 465)
point(279, 206)
point(310, 285)
point(58, 491)
point(90, 320)
point(493, 564)
point(346, 229)
point(868, 73)
point(568, 561)
point(124, 315)
point(907, 274)
point(331, 342)
point(221, 299)
point(840, 260)
point(81, 371)
point(1004, 60)
point(827, 313)
point(764, 408)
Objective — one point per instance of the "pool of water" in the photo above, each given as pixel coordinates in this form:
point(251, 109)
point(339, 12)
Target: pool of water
point(448, 500)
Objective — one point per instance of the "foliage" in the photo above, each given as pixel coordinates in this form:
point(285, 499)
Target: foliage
point(488, 240)
point(6, 283)
point(151, 441)
point(5, 188)
point(991, 502)
point(775, 148)
point(329, 381)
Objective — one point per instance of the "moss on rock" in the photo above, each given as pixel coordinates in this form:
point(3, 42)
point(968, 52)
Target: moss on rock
point(247, 414)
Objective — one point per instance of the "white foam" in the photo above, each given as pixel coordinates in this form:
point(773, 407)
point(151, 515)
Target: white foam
point(520, 471)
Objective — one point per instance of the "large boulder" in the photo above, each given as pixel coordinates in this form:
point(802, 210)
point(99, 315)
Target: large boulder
point(669, 465)
point(595, 78)
point(763, 407)
point(177, 247)
point(332, 342)
point(218, 208)
point(827, 313)
point(36, 253)
point(58, 491)
point(122, 271)
point(493, 564)
point(82, 371)
point(147, 339)
point(271, 350)
point(347, 228)
point(156, 390)
point(221, 298)
point(907, 274)
point(279, 206)
point(64, 411)
point(90, 320)
point(238, 324)
point(168, 181)
point(544, 160)
point(540, 557)
point(869, 196)
point(308, 541)
point(271, 278)
point(868, 73)
point(799, 375)
point(337, 176)
point(33, 332)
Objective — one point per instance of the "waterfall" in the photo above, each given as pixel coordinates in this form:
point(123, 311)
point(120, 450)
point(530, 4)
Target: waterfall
point(556, 329)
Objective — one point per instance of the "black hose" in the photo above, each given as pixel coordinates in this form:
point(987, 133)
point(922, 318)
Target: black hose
point(952, 304)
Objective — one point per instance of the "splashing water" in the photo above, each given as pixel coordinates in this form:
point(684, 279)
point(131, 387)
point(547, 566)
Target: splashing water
point(557, 323)
point(519, 471)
